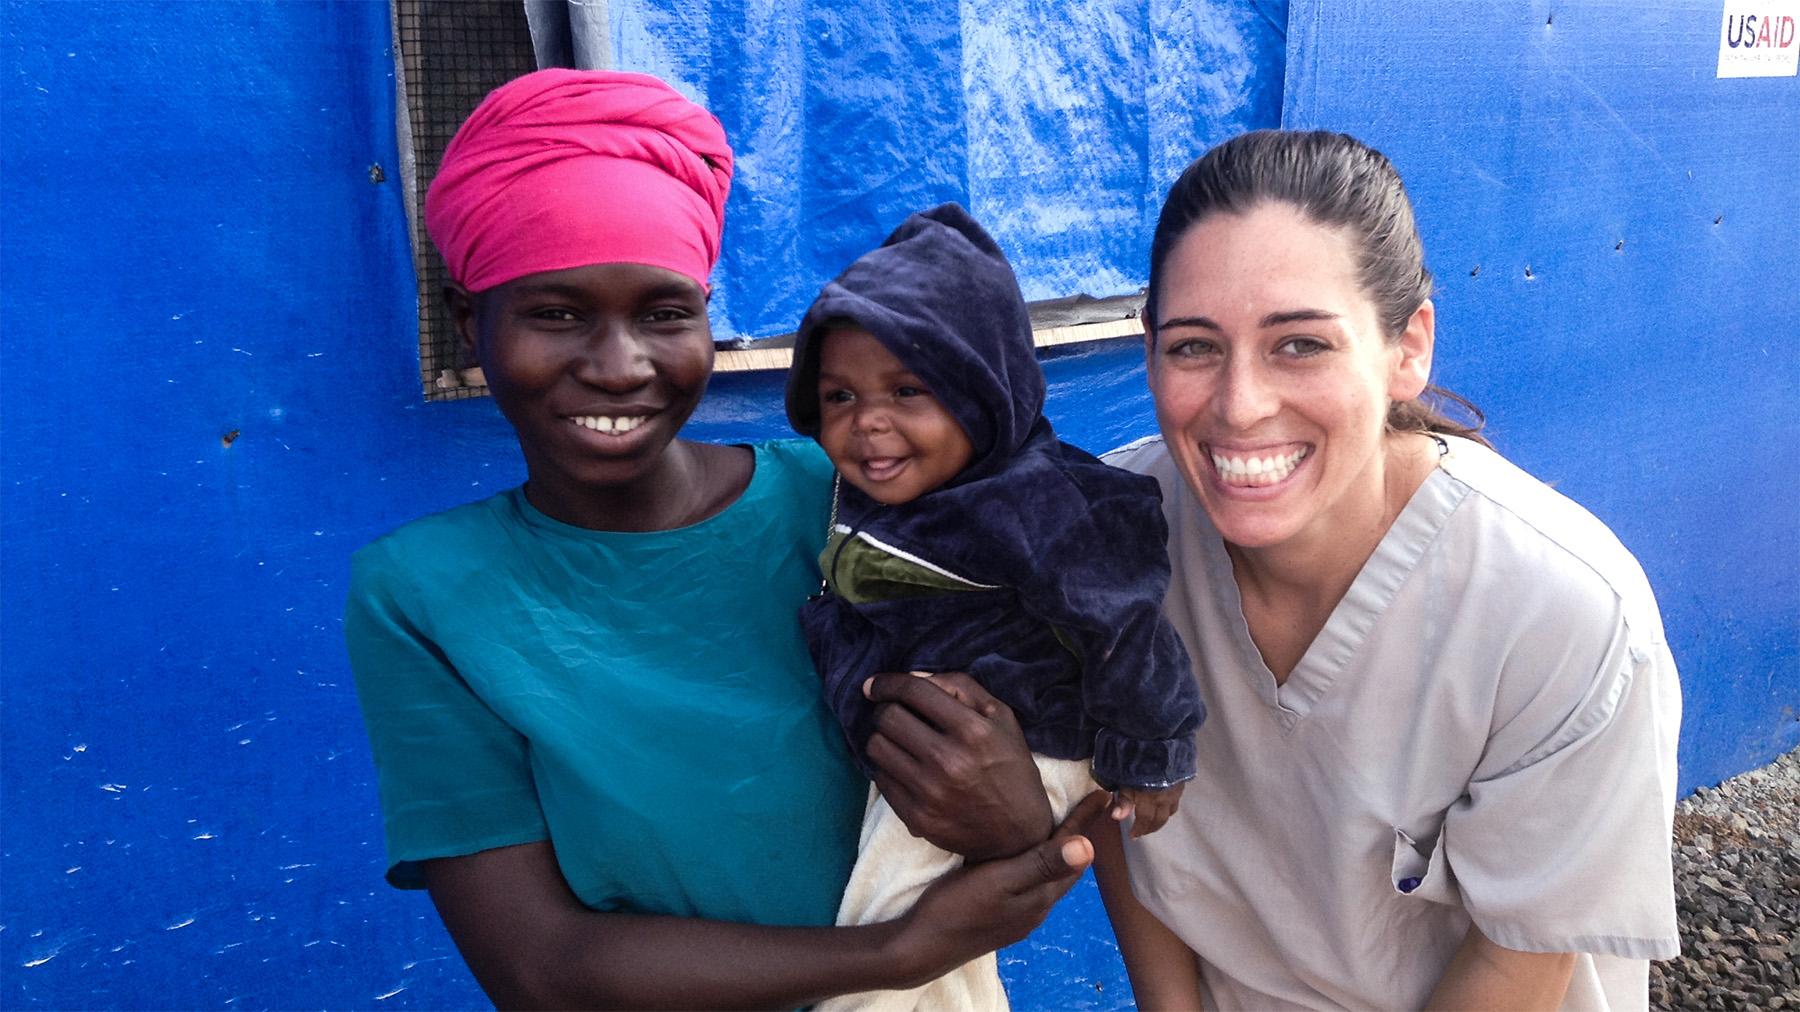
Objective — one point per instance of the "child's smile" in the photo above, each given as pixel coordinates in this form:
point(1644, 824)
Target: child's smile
point(885, 432)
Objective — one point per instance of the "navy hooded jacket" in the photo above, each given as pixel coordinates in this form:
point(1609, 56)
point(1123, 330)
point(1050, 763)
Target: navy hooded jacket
point(1038, 570)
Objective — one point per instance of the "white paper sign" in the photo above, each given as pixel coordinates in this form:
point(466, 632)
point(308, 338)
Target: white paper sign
point(1757, 39)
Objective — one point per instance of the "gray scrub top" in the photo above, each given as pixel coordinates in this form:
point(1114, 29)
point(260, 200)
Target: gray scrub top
point(1484, 731)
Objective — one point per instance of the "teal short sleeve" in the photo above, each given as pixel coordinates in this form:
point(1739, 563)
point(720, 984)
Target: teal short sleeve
point(454, 778)
point(643, 701)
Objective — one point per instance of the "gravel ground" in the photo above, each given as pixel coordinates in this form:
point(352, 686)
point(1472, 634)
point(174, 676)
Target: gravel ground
point(1737, 894)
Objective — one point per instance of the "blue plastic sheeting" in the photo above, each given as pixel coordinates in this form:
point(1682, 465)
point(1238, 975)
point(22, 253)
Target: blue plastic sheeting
point(1058, 126)
point(193, 249)
point(208, 332)
point(1613, 234)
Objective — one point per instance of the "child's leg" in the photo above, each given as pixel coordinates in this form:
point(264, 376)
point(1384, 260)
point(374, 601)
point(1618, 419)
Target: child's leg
point(893, 867)
point(1066, 782)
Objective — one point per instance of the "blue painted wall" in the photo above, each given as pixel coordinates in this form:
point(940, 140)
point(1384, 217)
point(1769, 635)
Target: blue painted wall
point(191, 246)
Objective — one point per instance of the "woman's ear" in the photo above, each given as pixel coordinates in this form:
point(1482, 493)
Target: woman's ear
point(461, 305)
point(1412, 364)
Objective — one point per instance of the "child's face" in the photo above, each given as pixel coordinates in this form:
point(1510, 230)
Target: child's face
point(883, 430)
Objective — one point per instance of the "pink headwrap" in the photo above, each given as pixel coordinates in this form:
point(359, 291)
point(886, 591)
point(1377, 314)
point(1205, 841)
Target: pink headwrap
point(564, 168)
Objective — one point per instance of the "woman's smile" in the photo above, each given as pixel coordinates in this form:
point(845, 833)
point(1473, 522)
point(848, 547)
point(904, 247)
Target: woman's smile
point(1262, 469)
point(611, 425)
point(597, 368)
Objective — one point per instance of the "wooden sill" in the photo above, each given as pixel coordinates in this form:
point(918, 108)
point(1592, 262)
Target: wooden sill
point(771, 359)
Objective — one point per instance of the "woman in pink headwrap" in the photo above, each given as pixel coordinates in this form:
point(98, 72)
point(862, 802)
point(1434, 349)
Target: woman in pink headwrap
point(599, 739)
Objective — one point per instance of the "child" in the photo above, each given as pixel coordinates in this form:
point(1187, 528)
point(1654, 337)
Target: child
point(966, 537)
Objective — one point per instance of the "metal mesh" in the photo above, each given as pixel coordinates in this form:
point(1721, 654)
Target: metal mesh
point(451, 54)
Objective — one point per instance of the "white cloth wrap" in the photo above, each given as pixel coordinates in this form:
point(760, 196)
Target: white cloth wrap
point(893, 867)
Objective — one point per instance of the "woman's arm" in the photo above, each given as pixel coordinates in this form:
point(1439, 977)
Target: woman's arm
point(1483, 975)
point(1164, 972)
point(532, 944)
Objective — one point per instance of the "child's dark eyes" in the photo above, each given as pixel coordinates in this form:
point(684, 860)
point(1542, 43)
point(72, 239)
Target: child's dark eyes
point(840, 395)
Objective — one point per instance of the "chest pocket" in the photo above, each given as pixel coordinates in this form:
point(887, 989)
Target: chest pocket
point(1423, 872)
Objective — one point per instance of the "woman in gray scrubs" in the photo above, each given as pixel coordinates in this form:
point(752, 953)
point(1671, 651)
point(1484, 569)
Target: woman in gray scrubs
point(1440, 765)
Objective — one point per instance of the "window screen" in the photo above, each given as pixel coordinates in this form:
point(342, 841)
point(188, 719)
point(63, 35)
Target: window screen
point(449, 56)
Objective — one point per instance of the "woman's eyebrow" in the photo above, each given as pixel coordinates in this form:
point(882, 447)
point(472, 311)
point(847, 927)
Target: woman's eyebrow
point(1271, 320)
point(1297, 316)
point(672, 290)
point(669, 290)
point(1202, 322)
point(547, 288)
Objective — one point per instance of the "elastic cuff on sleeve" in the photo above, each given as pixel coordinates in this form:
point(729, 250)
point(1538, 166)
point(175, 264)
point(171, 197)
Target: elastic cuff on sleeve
point(1139, 762)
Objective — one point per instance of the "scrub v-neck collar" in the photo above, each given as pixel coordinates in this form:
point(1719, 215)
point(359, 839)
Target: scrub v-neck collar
point(1351, 622)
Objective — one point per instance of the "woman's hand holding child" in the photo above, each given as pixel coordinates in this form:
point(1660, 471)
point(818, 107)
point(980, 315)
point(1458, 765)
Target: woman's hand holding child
point(952, 762)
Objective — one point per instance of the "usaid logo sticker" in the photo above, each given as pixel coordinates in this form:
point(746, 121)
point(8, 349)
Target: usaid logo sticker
point(1757, 39)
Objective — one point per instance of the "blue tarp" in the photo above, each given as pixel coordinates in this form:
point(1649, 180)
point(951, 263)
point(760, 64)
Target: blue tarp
point(1058, 126)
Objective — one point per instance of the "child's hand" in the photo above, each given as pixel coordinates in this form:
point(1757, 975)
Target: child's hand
point(1153, 807)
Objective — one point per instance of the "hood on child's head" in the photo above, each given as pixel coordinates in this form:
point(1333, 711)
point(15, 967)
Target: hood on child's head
point(940, 296)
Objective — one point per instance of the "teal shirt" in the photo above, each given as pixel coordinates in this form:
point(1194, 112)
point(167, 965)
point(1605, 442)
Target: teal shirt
point(643, 701)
